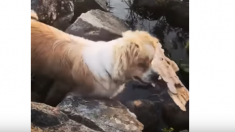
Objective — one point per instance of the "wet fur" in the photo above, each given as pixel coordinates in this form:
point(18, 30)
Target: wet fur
point(73, 62)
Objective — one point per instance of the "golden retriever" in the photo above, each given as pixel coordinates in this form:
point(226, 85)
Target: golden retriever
point(94, 69)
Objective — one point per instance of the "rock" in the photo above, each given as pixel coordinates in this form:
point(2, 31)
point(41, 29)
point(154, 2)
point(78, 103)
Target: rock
point(82, 6)
point(61, 13)
point(97, 25)
point(162, 112)
point(43, 119)
point(147, 113)
point(100, 115)
point(57, 13)
point(76, 114)
point(174, 117)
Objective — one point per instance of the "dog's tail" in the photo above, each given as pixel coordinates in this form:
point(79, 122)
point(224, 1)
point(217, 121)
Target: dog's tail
point(34, 15)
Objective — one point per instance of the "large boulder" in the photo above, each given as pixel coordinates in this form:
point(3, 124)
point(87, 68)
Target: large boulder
point(76, 114)
point(57, 13)
point(43, 119)
point(105, 115)
point(82, 6)
point(97, 25)
point(61, 13)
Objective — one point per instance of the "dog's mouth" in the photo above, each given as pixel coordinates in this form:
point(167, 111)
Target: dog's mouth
point(138, 79)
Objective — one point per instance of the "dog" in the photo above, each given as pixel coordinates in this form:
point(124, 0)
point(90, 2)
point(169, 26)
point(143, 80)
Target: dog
point(92, 69)
point(99, 69)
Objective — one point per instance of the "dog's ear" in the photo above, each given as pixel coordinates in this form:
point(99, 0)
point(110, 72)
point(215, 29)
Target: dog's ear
point(132, 51)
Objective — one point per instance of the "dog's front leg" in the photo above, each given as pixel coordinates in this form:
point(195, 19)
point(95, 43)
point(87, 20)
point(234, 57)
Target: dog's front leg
point(57, 93)
point(119, 90)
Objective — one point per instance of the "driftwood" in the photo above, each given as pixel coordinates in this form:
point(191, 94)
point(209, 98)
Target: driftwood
point(167, 69)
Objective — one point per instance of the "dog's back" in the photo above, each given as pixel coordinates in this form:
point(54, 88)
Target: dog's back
point(53, 52)
point(48, 45)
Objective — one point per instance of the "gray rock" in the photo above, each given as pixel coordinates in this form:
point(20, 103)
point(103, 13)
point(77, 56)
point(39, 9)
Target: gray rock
point(61, 13)
point(82, 6)
point(54, 11)
point(100, 115)
point(103, 4)
point(43, 119)
point(97, 25)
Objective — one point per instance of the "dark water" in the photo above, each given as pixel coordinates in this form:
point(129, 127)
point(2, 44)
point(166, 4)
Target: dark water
point(172, 38)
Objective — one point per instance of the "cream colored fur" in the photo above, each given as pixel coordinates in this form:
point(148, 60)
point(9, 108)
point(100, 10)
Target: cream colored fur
point(96, 69)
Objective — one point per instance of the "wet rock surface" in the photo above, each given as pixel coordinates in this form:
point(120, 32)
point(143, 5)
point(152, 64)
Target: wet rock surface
point(97, 25)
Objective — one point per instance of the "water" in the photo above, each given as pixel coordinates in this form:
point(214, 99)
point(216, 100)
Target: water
point(172, 39)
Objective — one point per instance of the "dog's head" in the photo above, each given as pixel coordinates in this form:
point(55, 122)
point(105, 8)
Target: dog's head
point(134, 55)
point(140, 56)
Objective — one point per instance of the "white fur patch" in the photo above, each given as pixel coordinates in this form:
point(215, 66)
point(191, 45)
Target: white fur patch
point(99, 57)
